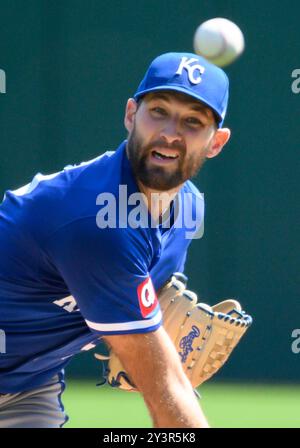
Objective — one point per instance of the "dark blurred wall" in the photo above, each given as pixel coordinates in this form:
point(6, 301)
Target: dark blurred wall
point(70, 67)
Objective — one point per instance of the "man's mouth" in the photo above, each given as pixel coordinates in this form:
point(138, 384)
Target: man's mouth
point(165, 154)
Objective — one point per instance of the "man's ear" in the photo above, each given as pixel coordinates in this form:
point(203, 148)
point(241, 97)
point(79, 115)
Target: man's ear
point(131, 108)
point(219, 140)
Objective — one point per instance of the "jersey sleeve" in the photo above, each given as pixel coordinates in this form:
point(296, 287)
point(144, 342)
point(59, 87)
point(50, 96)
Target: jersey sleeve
point(106, 271)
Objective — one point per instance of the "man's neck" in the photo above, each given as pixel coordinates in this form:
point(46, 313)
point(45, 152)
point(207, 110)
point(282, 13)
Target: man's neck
point(158, 201)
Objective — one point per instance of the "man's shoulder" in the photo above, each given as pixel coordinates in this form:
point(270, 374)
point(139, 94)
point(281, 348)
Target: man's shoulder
point(53, 200)
point(93, 172)
point(58, 183)
point(190, 187)
point(73, 179)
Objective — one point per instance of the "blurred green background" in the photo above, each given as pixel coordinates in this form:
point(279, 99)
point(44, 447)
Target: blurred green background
point(71, 65)
point(225, 406)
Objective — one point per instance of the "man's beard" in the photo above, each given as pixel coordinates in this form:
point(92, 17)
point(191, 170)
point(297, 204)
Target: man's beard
point(161, 178)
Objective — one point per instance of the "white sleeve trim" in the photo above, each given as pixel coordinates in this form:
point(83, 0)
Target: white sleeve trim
point(136, 325)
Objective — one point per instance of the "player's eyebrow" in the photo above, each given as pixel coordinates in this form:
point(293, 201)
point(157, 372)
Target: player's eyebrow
point(199, 108)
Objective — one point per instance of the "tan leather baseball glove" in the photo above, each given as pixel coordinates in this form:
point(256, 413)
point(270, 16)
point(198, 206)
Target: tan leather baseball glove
point(203, 336)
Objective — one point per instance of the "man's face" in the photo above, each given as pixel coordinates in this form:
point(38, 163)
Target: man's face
point(169, 139)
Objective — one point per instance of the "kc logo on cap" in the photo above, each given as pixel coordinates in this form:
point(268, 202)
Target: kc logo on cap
point(186, 64)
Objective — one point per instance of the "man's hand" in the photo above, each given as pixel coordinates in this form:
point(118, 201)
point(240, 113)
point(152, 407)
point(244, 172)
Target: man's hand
point(154, 366)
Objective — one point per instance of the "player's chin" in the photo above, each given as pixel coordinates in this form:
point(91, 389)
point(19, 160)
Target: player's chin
point(162, 179)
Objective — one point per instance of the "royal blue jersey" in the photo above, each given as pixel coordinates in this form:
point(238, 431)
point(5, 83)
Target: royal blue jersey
point(66, 279)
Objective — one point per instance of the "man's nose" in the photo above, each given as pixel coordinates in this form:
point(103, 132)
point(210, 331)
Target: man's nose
point(171, 131)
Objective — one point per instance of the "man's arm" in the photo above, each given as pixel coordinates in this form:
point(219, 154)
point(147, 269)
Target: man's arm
point(154, 366)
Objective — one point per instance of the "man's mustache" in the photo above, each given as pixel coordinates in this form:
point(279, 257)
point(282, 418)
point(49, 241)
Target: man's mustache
point(162, 144)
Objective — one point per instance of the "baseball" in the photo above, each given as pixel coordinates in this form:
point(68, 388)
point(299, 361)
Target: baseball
point(219, 40)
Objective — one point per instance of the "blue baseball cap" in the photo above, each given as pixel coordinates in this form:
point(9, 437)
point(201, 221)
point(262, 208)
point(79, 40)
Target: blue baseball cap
point(190, 74)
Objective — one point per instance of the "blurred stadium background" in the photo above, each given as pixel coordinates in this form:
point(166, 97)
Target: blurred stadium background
point(70, 66)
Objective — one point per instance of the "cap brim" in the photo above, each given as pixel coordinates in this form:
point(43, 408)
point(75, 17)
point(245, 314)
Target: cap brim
point(181, 90)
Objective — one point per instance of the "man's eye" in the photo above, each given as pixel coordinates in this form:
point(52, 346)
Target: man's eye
point(158, 111)
point(191, 121)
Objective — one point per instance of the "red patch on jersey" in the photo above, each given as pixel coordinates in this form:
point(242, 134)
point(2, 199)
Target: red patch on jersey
point(147, 297)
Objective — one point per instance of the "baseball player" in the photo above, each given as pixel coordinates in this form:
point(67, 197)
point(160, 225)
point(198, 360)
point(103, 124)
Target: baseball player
point(75, 268)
